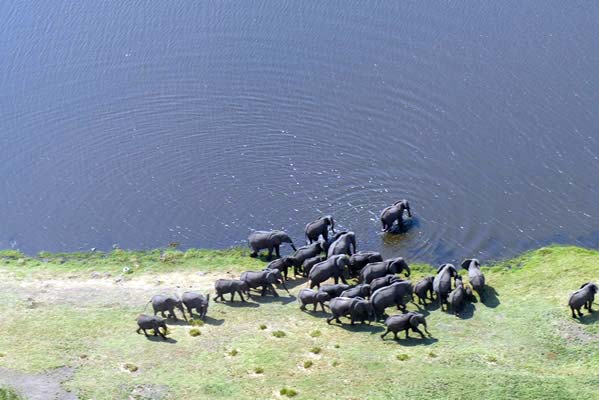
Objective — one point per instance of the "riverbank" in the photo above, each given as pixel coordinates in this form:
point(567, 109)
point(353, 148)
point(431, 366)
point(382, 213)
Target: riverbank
point(75, 312)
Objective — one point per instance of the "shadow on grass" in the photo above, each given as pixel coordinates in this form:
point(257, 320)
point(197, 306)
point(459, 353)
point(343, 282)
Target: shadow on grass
point(317, 313)
point(158, 339)
point(417, 341)
point(213, 321)
point(177, 322)
point(588, 319)
point(273, 299)
point(490, 297)
point(238, 304)
point(293, 283)
point(467, 311)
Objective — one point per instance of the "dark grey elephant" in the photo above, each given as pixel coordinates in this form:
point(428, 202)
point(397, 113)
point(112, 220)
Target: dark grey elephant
point(320, 227)
point(356, 308)
point(197, 301)
point(333, 267)
point(232, 286)
point(147, 322)
point(395, 294)
point(379, 269)
point(475, 276)
point(362, 291)
point(304, 253)
point(442, 282)
point(334, 290)
point(264, 280)
point(281, 264)
point(395, 213)
point(345, 244)
point(360, 259)
point(405, 322)
point(309, 263)
point(583, 297)
point(270, 240)
point(162, 303)
point(309, 296)
point(381, 282)
point(424, 289)
point(457, 297)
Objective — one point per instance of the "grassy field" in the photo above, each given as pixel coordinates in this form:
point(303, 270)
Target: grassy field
point(520, 343)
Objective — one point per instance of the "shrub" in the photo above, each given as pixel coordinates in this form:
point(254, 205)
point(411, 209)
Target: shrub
point(279, 334)
point(402, 357)
point(308, 364)
point(233, 352)
point(196, 322)
point(195, 332)
point(288, 392)
point(492, 359)
point(130, 367)
point(315, 350)
point(262, 327)
point(316, 334)
point(9, 394)
point(258, 370)
point(336, 346)
point(335, 363)
point(432, 354)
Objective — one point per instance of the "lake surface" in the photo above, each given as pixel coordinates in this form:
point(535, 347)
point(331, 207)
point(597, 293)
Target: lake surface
point(142, 123)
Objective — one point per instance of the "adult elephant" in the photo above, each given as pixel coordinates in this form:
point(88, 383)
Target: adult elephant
point(320, 227)
point(270, 240)
point(394, 294)
point(263, 279)
point(395, 213)
point(304, 253)
point(442, 282)
point(360, 259)
point(583, 297)
point(333, 267)
point(475, 276)
point(345, 244)
point(379, 269)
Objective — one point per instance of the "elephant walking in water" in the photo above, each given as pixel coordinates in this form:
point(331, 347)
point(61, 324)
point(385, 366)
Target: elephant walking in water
point(395, 213)
point(320, 227)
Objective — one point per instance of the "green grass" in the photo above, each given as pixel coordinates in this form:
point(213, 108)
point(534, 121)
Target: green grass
point(9, 394)
point(521, 343)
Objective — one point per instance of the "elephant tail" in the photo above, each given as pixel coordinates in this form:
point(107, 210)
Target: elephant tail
point(146, 306)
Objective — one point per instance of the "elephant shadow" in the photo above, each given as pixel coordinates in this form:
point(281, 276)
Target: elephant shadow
point(292, 284)
point(490, 297)
point(413, 341)
point(317, 313)
point(467, 311)
point(177, 322)
point(159, 339)
point(239, 304)
point(213, 321)
point(588, 319)
point(273, 299)
point(358, 327)
point(407, 225)
point(426, 309)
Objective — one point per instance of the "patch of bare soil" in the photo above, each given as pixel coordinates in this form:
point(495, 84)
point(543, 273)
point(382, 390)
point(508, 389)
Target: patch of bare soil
point(44, 386)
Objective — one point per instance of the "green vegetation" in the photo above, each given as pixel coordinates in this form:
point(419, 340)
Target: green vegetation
point(520, 343)
point(8, 394)
point(279, 334)
point(308, 364)
point(194, 332)
point(315, 350)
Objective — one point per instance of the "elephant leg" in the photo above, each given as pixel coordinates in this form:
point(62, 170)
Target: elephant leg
point(579, 312)
point(232, 295)
point(385, 334)
point(322, 306)
point(241, 295)
point(138, 331)
point(146, 333)
point(395, 337)
point(172, 314)
point(163, 314)
point(190, 311)
point(272, 289)
point(332, 317)
point(315, 305)
point(269, 256)
point(338, 320)
point(342, 279)
point(415, 329)
point(336, 279)
point(254, 253)
point(325, 235)
point(277, 248)
point(161, 334)
point(155, 331)
point(407, 335)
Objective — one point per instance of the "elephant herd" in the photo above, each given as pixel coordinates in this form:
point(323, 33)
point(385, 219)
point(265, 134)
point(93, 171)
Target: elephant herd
point(379, 284)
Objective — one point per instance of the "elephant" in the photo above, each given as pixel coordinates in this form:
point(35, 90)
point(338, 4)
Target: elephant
point(270, 240)
point(381, 282)
point(475, 276)
point(343, 245)
point(309, 296)
point(394, 294)
point(362, 291)
point(457, 296)
point(309, 263)
point(304, 253)
point(197, 301)
point(320, 227)
point(332, 267)
point(162, 303)
point(360, 259)
point(424, 289)
point(357, 308)
point(146, 322)
point(405, 322)
point(379, 269)
point(334, 290)
point(224, 286)
point(264, 279)
point(395, 213)
point(583, 297)
point(442, 282)
point(281, 264)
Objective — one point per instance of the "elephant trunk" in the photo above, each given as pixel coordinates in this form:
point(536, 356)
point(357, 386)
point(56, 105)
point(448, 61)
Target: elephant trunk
point(407, 269)
point(293, 246)
point(407, 205)
point(285, 287)
point(425, 327)
point(332, 224)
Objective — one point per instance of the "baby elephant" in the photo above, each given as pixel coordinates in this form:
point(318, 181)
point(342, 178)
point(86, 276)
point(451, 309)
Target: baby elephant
point(161, 303)
point(457, 297)
point(309, 263)
point(362, 290)
point(356, 308)
point(224, 286)
point(405, 322)
point(583, 297)
point(146, 322)
point(197, 301)
point(309, 296)
point(424, 289)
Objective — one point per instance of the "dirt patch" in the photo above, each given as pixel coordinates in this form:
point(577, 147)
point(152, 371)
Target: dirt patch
point(45, 386)
point(575, 331)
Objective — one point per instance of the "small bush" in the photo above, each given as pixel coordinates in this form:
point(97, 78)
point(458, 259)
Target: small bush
point(194, 332)
point(233, 352)
point(432, 354)
point(2, 354)
point(315, 350)
point(308, 364)
point(492, 359)
point(196, 322)
point(9, 394)
point(262, 327)
point(130, 367)
point(336, 346)
point(402, 357)
point(11, 254)
point(316, 334)
point(288, 392)
point(279, 334)
point(335, 363)
point(258, 370)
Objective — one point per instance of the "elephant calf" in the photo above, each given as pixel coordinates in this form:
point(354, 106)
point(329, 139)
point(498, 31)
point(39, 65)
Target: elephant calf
point(424, 289)
point(362, 291)
point(264, 280)
point(457, 297)
point(197, 301)
point(161, 303)
point(281, 264)
point(475, 275)
point(303, 254)
point(394, 294)
point(146, 322)
point(309, 296)
point(232, 286)
point(356, 308)
point(334, 290)
point(583, 297)
point(309, 263)
point(442, 282)
point(391, 266)
point(405, 322)
point(360, 259)
point(333, 267)
point(381, 282)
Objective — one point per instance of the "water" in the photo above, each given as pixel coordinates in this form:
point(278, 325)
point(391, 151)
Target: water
point(143, 123)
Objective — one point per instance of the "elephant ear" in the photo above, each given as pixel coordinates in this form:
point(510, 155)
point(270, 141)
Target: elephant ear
point(466, 263)
point(584, 284)
point(441, 267)
point(414, 321)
